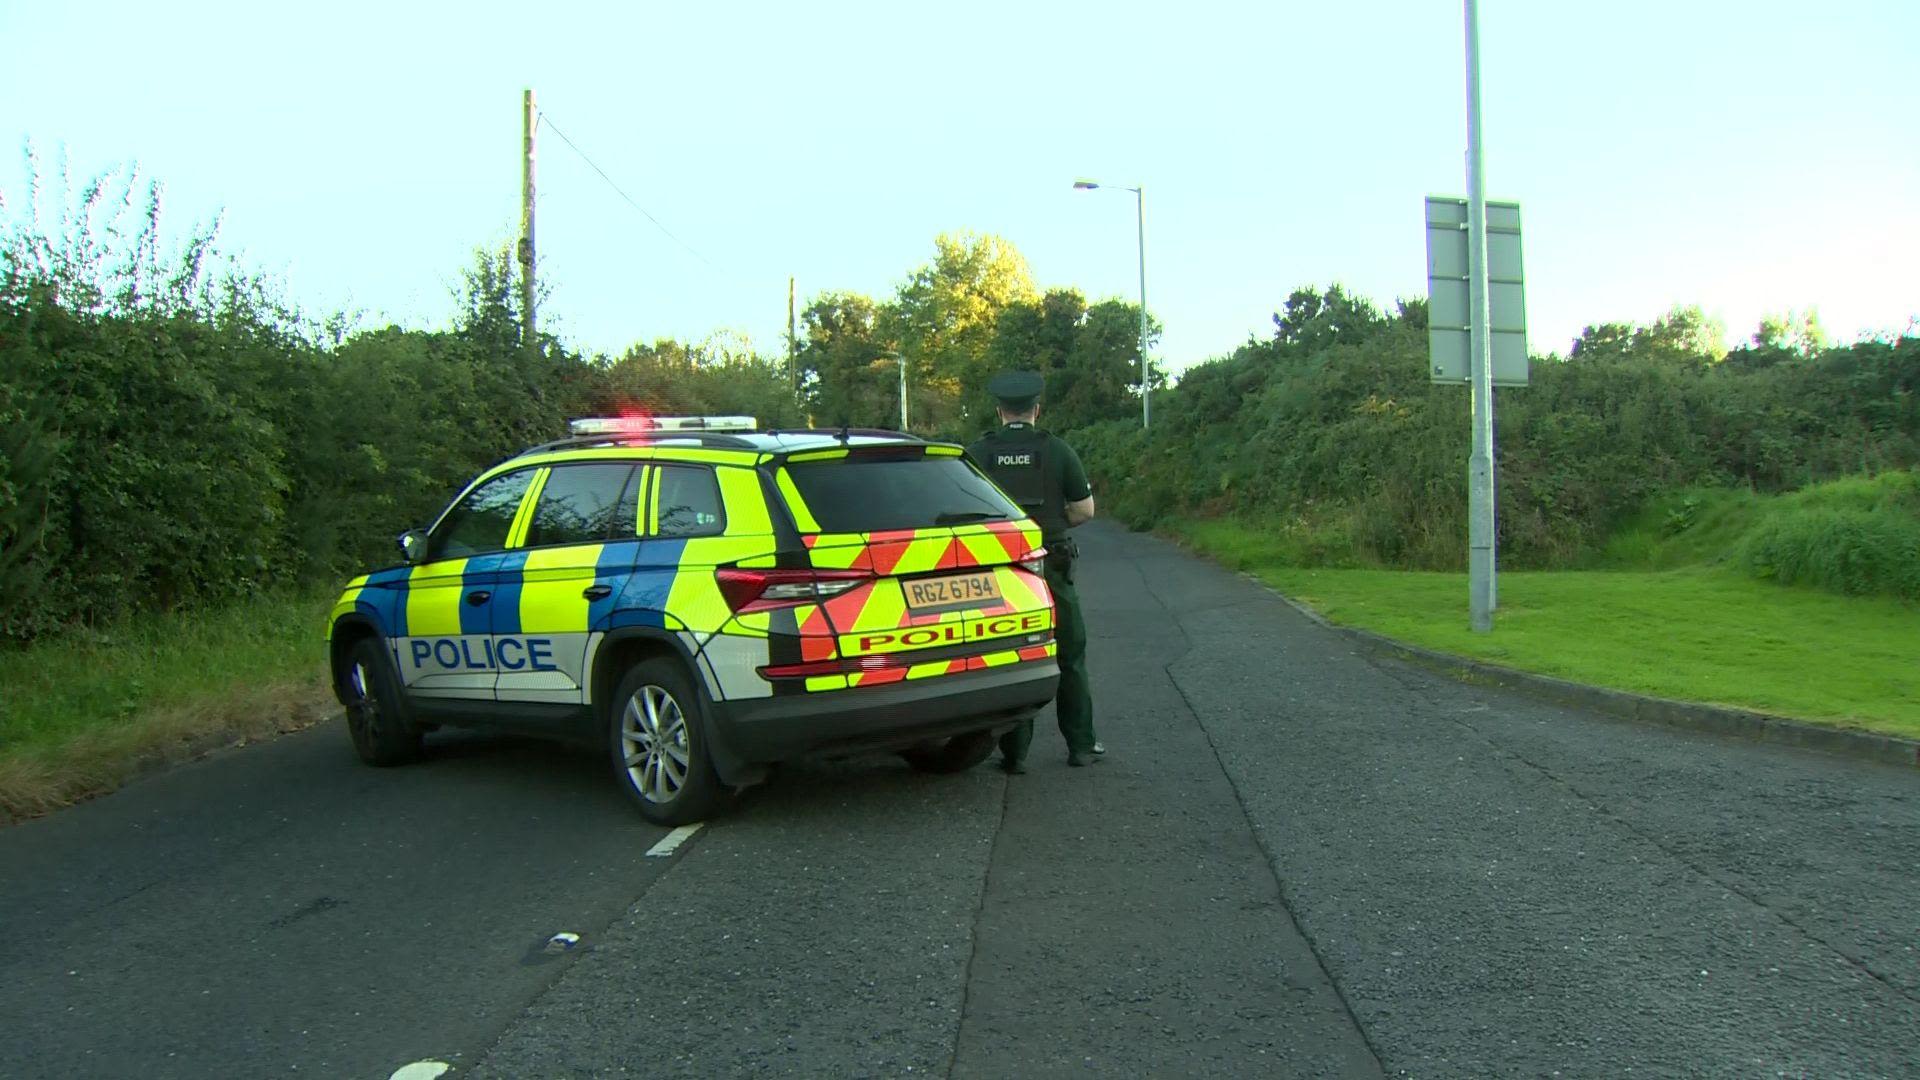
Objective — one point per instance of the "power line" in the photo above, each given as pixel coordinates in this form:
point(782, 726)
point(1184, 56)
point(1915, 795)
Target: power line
point(548, 120)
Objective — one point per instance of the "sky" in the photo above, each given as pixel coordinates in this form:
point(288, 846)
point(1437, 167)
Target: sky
point(1749, 157)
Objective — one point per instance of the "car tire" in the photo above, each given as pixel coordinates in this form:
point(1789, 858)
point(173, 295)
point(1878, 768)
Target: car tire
point(657, 744)
point(377, 720)
point(958, 754)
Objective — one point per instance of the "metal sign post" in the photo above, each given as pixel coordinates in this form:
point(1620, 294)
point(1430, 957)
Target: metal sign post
point(1480, 521)
point(1476, 318)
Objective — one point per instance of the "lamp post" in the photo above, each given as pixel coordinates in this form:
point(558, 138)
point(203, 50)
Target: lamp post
point(1140, 197)
point(897, 355)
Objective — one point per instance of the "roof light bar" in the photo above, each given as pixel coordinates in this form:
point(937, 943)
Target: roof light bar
point(643, 425)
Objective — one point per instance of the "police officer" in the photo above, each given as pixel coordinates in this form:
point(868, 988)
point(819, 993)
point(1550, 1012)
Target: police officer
point(1044, 475)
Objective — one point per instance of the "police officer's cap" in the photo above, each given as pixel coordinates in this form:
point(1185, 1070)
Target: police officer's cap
point(1017, 390)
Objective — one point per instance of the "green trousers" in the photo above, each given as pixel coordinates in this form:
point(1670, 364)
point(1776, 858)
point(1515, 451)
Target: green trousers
point(1074, 702)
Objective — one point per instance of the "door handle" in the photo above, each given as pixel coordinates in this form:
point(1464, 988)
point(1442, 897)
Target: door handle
point(478, 597)
point(597, 592)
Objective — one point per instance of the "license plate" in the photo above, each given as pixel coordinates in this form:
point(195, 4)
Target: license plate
point(953, 592)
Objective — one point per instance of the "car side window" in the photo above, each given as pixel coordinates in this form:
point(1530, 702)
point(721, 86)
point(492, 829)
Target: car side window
point(482, 520)
point(581, 504)
point(687, 501)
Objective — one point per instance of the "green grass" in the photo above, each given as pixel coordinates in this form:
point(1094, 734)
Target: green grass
point(81, 713)
point(1244, 544)
point(1700, 634)
point(1704, 526)
point(1858, 536)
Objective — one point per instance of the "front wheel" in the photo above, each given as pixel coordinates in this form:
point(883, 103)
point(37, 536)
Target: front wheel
point(659, 749)
point(377, 720)
point(958, 754)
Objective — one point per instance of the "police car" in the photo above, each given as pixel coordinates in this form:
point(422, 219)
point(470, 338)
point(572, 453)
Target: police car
point(703, 599)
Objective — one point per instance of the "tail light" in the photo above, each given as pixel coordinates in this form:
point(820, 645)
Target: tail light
point(747, 590)
point(1035, 561)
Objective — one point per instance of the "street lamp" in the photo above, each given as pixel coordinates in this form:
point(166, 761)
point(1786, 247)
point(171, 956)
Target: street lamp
point(895, 354)
point(1146, 409)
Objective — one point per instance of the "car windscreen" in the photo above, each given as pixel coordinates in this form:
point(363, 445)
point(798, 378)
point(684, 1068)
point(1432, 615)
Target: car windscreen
point(855, 495)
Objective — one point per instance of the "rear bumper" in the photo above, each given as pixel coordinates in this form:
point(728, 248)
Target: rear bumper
point(759, 731)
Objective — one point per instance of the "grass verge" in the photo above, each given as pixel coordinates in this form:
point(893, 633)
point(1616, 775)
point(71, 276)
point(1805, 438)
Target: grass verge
point(1858, 536)
point(83, 714)
point(1699, 634)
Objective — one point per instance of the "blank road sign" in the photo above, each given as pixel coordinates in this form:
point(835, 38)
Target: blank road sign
point(1449, 292)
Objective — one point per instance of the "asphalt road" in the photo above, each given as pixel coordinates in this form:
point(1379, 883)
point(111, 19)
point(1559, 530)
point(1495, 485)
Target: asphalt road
point(1296, 861)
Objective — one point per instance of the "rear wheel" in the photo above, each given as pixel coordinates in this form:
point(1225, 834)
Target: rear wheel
point(659, 748)
point(377, 719)
point(958, 754)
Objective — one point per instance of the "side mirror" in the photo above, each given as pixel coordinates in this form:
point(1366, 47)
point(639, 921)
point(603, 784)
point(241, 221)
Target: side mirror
point(413, 545)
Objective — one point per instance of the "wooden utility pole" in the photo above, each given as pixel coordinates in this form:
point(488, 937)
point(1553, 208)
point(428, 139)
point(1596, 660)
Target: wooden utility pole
point(530, 330)
point(793, 343)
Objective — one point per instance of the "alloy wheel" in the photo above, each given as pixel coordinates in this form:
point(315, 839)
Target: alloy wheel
point(653, 743)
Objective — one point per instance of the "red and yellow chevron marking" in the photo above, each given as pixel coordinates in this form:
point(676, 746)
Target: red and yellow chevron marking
point(912, 551)
point(1014, 656)
point(874, 619)
point(938, 667)
point(945, 635)
point(882, 606)
point(869, 606)
point(886, 676)
point(1021, 591)
point(996, 542)
point(816, 635)
point(993, 660)
point(891, 675)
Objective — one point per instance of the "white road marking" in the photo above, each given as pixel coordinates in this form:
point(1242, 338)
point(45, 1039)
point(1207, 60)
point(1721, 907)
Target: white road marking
point(672, 841)
point(420, 1070)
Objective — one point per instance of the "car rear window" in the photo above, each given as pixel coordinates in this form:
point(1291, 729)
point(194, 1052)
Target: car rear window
point(872, 495)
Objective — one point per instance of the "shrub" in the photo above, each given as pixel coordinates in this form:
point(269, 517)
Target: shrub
point(1857, 537)
point(1336, 411)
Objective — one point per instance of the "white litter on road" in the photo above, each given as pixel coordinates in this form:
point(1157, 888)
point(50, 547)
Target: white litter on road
point(420, 1070)
point(671, 842)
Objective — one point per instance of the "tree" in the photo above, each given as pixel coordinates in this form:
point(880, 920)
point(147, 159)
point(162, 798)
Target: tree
point(1602, 341)
point(1685, 332)
point(1795, 332)
point(1038, 334)
point(722, 376)
point(27, 460)
point(1312, 320)
point(1090, 356)
point(1101, 377)
point(1685, 336)
point(944, 319)
point(841, 365)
